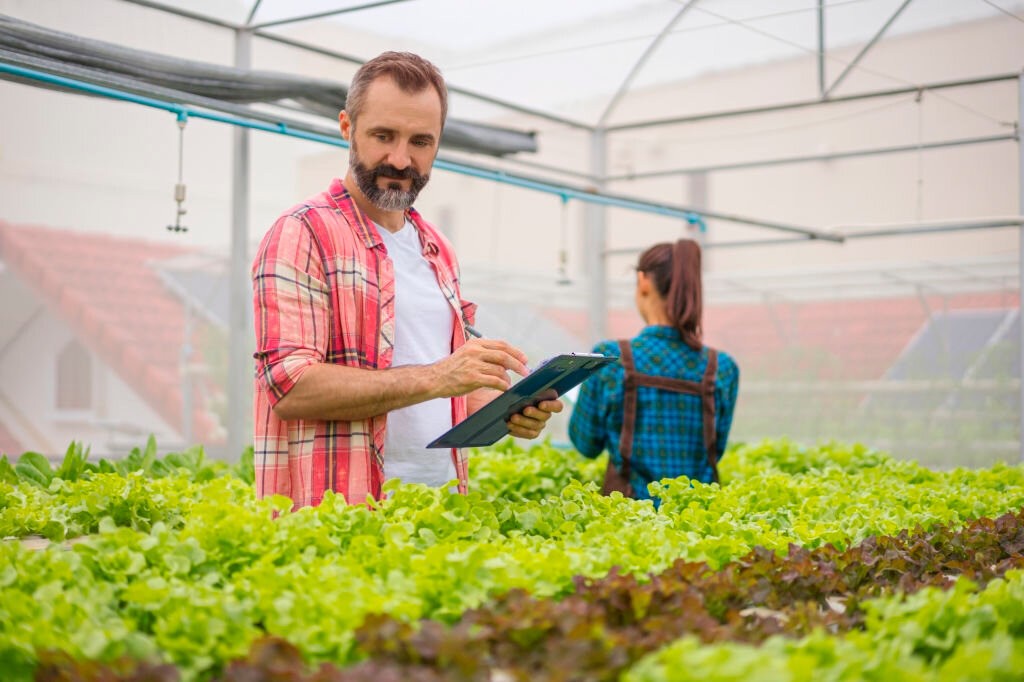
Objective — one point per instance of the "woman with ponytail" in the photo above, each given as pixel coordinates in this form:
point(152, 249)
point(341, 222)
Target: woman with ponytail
point(665, 410)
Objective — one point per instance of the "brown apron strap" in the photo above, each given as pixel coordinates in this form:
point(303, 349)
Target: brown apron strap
point(705, 389)
point(708, 400)
point(628, 406)
point(669, 384)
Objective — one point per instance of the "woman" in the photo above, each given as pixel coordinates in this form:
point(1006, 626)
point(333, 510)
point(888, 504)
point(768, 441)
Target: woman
point(666, 409)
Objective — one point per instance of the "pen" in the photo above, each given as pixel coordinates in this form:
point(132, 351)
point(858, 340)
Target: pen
point(473, 332)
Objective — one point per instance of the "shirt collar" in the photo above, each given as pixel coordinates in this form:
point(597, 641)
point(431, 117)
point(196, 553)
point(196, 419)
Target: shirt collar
point(660, 331)
point(366, 228)
point(430, 247)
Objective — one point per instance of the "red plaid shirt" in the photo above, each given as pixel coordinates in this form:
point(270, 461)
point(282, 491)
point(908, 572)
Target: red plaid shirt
point(324, 291)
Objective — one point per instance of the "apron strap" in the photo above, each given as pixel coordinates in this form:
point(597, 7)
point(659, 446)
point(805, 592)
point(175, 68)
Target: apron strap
point(628, 406)
point(708, 403)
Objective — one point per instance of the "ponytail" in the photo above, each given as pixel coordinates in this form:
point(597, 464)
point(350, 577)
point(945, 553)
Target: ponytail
point(676, 270)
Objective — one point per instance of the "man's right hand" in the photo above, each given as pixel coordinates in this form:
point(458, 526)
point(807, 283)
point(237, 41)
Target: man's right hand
point(480, 363)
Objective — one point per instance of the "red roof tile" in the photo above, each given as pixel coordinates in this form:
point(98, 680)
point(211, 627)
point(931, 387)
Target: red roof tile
point(847, 339)
point(104, 289)
point(9, 445)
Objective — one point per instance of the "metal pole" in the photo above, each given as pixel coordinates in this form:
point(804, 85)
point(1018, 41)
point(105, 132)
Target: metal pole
point(1020, 190)
point(252, 12)
point(594, 237)
point(239, 329)
point(808, 158)
point(821, 48)
point(810, 102)
point(187, 432)
point(328, 13)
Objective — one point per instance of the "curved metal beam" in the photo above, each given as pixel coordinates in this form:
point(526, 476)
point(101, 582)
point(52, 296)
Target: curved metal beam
point(640, 63)
point(864, 51)
point(252, 12)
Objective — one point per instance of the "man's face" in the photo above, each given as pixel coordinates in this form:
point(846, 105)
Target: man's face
point(394, 143)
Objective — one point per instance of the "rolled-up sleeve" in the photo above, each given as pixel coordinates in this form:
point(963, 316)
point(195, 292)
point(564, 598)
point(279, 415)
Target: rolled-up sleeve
point(588, 425)
point(291, 306)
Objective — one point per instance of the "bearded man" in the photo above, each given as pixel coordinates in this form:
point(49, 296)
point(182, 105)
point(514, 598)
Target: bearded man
point(363, 355)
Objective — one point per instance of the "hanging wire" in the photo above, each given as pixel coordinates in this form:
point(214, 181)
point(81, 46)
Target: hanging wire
point(563, 251)
point(496, 223)
point(1004, 11)
point(920, 155)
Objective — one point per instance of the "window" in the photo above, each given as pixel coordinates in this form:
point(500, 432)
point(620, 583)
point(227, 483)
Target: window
point(74, 378)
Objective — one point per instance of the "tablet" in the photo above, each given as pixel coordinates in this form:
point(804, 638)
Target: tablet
point(551, 379)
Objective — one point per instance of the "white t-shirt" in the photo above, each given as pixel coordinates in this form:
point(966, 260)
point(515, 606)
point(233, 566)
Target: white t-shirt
point(424, 323)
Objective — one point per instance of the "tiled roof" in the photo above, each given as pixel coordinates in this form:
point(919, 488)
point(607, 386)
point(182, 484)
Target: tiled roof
point(9, 445)
point(834, 340)
point(102, 287)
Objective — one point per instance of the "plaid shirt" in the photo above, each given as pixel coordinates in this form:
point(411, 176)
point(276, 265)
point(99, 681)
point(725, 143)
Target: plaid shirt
point(669, 438)
point(324, 291)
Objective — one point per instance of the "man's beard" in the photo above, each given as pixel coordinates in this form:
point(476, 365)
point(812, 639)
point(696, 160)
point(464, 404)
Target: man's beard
point(394, 198)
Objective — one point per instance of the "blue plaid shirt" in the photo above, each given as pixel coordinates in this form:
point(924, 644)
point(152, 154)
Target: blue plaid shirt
point(669, 437)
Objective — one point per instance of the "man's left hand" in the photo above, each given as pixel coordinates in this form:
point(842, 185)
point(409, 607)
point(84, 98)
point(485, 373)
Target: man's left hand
point(530, 422)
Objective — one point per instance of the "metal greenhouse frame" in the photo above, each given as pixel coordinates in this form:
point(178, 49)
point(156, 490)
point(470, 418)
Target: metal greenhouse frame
point(593, 193)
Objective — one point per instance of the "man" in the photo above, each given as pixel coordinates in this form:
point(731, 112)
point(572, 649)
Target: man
point(362, 351)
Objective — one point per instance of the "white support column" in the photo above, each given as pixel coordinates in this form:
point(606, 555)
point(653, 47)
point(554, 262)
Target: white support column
point(821, 48)
point(595, 228)
point(240, 367)
point(1020, 232)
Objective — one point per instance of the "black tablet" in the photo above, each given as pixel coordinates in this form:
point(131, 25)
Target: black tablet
point(551, 379)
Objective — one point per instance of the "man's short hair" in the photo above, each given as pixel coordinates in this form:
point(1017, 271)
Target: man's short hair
point(411, 73)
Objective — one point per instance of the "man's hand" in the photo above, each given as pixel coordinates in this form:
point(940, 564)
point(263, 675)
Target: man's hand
point(530, 422)
point(480, 363)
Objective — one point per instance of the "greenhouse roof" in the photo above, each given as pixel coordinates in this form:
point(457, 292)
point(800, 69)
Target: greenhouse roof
point(519, 52)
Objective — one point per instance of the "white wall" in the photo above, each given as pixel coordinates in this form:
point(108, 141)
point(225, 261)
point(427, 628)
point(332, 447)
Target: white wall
point(28, 399)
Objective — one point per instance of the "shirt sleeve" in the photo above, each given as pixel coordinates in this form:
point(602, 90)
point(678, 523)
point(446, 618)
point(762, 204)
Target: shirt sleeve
point(726, 389)
point(588, 424)
point(291, 304)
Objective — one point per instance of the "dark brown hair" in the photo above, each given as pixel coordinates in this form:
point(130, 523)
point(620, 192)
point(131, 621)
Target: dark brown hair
point(675, 269)
point(411, 74)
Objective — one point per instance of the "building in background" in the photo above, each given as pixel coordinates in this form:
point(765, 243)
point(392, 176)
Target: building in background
point(94, 347)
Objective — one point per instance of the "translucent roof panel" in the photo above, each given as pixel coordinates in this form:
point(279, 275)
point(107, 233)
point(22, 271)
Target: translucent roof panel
point(556, 55)
point(572, 56)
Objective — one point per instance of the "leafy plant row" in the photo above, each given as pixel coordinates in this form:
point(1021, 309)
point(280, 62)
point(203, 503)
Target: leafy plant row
point(193, 573)
point(935, 635)
point(34, 468)
point(608, 624)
